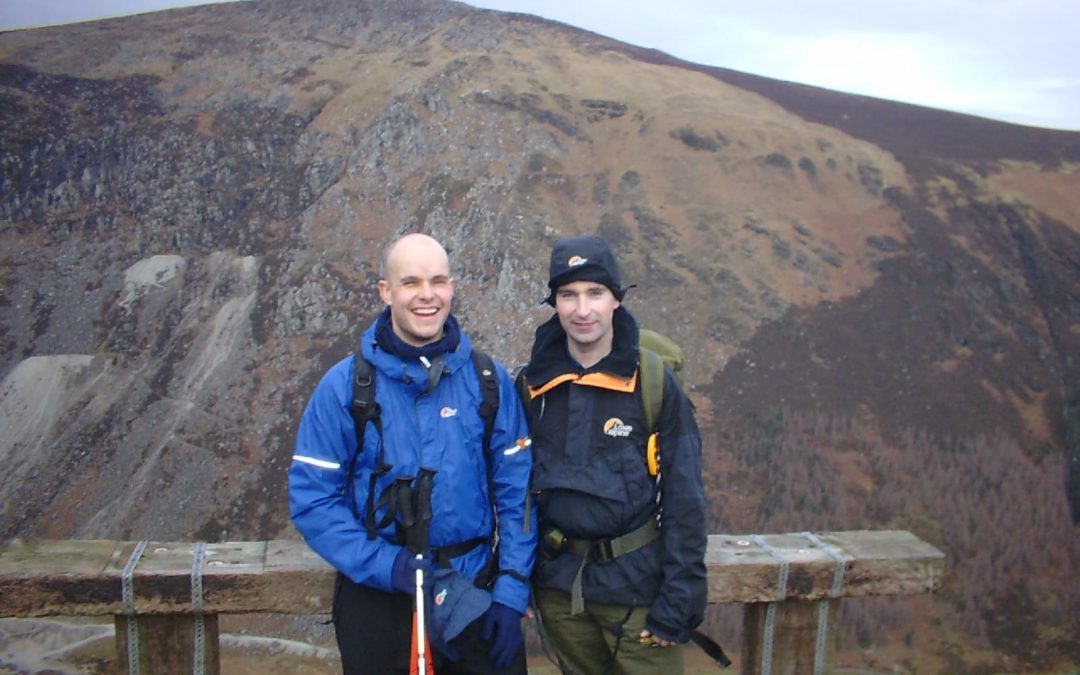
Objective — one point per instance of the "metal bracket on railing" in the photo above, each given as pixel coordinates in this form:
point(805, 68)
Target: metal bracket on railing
point(770, 611)
point(198, 558)
point(127, 592)
point(823, 606)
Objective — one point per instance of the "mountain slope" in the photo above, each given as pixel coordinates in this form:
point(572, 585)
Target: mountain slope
point(881, 302)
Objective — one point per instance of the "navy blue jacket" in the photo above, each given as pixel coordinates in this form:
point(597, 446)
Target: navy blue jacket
point(591, 479)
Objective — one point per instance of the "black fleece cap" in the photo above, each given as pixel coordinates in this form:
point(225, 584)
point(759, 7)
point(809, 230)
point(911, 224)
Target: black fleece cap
point(587, 258)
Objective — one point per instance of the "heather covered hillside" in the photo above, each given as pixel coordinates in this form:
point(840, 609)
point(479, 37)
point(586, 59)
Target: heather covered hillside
point(881, 303)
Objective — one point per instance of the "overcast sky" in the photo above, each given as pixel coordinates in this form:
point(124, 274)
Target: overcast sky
point(1013, 60)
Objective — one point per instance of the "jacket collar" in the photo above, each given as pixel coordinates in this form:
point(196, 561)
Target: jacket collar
point(551, 363)
point(410, 369)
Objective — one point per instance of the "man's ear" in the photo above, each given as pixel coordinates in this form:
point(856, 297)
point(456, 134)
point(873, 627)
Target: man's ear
point(384, 291)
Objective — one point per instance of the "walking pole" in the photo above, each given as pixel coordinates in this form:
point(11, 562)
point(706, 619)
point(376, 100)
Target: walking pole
point(417, 542)
point(421, 632)
point(406, 498)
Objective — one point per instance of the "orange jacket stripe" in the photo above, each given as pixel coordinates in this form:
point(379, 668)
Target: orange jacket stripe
point(601, 380)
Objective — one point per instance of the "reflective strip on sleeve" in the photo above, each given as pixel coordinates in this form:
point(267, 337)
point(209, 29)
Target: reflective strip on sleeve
point(519, 445)
point(321, 463)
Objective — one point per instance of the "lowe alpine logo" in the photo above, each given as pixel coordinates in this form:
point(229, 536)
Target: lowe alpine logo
point(576, 261)
point(447, 412)
point(615, 427)
point(441, 597)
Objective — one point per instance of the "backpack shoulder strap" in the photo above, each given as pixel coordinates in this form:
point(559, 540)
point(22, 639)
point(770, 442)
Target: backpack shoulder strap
point(489, 408)
point(651, 366)
point(489, 391)
point(522, 387)
point(363, 408)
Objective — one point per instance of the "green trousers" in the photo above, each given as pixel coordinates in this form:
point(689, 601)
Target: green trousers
point(585, 643)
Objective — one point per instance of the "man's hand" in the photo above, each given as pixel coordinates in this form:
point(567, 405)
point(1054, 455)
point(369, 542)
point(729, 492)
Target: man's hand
point(403, 574)
point(502, 627)
point(650, 639)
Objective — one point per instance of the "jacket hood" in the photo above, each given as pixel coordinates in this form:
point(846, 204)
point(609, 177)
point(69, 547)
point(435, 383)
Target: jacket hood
point(550, 357)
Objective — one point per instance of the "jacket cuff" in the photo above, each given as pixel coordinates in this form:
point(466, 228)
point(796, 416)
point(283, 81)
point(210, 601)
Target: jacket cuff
point(666, 632)
point(511, 592)
point(382, 576)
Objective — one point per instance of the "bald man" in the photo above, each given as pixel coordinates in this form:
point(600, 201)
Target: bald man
point(425, 450)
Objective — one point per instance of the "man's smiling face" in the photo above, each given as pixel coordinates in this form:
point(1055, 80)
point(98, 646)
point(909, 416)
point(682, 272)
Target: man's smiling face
point(418, 289)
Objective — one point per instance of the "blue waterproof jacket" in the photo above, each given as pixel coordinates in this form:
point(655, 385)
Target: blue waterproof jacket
point(441, 430)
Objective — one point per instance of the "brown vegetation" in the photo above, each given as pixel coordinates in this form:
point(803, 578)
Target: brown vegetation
point(879, 301)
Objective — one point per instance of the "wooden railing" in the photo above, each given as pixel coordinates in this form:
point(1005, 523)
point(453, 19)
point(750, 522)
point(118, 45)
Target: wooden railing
point(166, 596)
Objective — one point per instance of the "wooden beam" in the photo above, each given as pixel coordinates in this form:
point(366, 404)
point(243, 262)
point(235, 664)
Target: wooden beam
point(165, 644)
point(57, 578)
point(877, 562)
point(793, 649)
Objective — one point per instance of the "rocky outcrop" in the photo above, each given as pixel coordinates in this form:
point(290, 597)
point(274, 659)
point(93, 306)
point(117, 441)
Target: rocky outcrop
point(192, 205)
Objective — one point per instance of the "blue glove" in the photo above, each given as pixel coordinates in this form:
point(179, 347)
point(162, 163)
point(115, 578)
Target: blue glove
point(502, 627)
point(403, 573)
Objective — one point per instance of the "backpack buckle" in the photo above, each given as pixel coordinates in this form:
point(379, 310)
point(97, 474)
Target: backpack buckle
point(603, 551)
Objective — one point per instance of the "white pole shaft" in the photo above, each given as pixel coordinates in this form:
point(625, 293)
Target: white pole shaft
point(421, 635)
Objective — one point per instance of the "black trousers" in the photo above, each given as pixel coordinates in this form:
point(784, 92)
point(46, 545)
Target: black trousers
point(374, 636)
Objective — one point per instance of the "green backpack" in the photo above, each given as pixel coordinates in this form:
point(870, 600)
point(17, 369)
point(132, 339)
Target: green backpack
point(656, 351)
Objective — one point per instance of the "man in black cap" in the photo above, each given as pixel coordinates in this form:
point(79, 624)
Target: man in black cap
point(620, 579)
